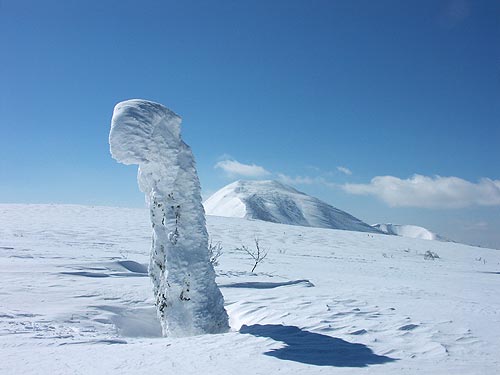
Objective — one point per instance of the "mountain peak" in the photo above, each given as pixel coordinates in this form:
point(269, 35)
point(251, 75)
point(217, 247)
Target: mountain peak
point(273, 201)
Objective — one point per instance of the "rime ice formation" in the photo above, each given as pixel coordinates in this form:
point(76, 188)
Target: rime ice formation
point(279, 203)
point(187, 298)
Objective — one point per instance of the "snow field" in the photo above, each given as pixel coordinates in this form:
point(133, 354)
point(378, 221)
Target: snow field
point(76, 298)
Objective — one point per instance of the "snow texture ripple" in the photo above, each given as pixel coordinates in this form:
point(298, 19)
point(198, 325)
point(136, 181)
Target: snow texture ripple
point(188, 300)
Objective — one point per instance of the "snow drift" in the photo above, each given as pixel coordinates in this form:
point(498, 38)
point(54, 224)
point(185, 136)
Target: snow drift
point(278, 203)
point(410, 231)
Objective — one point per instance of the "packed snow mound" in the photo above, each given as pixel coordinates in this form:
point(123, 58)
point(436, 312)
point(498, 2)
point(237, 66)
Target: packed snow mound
point(278, 203)
point(410, 231)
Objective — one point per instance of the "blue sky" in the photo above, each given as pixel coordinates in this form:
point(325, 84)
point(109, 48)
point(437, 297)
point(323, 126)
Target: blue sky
point(297, 88)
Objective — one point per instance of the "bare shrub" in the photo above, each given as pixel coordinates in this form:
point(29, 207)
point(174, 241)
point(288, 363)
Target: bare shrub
point(258, 255)
point(214, 252)
point(430, 255)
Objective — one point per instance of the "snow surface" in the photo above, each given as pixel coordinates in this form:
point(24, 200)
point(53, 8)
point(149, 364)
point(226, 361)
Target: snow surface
point(410, 231)
point(279, 203)
point(76, 299)
point(187, 298)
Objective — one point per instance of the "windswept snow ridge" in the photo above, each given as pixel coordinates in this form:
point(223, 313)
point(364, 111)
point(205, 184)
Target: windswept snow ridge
point(278, 203)
point(187, 298)
point(410, 231)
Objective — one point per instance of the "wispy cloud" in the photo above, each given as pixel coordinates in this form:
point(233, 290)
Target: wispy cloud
point(479, 225)
point(234, 168)
point(344, 170)
point(297, 180)
point(454, 13)
point(430, 192)
point(305, 180)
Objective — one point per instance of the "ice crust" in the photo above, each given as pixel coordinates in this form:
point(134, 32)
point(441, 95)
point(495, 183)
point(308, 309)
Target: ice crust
point(187, 298)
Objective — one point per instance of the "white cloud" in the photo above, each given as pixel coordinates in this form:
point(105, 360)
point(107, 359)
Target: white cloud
point(305, 180)
point(430, 192)
point(297, 180)
point(344, 170)
point(235, 168)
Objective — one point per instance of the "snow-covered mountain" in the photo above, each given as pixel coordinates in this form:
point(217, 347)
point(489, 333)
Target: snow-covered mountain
point(410, 231)
point(278, 203)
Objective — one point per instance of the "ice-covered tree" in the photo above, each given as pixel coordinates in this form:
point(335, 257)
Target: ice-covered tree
point(187, 298)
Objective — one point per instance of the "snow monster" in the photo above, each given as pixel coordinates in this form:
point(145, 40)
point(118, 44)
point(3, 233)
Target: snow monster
point(188, 300)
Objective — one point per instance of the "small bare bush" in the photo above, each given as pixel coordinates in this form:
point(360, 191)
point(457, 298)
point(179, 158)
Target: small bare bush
point(430, 255)
point(214, 252)
point(258, 255)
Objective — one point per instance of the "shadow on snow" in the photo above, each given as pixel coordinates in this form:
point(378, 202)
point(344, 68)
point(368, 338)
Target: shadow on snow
point(314, 348)
point(266, 285)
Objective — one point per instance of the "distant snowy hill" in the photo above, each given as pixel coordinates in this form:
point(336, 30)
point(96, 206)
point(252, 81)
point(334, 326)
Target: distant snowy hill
point(410, 231)
point(278, 203)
